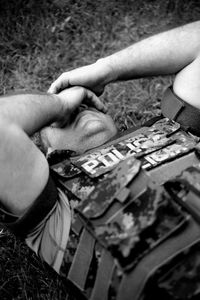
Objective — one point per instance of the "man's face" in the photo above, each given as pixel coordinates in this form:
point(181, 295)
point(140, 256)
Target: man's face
point(88, 129)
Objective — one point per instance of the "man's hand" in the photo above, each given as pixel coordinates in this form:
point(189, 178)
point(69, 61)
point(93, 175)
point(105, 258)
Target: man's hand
point(94, 77)
point(72, 98)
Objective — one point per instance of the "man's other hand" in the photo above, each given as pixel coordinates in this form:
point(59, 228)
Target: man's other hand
point(93, 77)
point(72, 98)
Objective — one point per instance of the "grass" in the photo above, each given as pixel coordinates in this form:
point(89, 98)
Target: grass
point(41, 39)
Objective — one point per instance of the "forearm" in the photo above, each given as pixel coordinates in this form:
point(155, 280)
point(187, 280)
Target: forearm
point(162, 54)
point(24, 169)
point(29, 111)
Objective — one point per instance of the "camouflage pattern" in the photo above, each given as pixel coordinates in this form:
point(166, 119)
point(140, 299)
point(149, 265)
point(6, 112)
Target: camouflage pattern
point(125, 225)
point(80, 186)
point(182, 144)
point(182, 280)
point(61, 165)
point(179, 277)
point(94, 207)
point(190, 178)
point(140, 226)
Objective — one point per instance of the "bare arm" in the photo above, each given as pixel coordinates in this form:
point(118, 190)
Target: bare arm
point(164, 53)
point(31, 112)
point(24, 170)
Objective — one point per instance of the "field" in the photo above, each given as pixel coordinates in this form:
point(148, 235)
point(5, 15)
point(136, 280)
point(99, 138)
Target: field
point(41, 39)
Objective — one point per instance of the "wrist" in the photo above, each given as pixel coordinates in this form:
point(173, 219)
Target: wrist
point(107, 71)
point(58, 107)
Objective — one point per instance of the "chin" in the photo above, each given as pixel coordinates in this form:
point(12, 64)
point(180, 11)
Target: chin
point(94, 127)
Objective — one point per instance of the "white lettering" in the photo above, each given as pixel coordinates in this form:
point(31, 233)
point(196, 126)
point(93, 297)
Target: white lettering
point(149, 159)
point(90, 165)
point(130, 146)
point(146, 165)
point(108, 159)
point(118, 154)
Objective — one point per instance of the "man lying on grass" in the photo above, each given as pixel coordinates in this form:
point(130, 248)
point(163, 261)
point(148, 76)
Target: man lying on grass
point(27, 191)
point(35, 208)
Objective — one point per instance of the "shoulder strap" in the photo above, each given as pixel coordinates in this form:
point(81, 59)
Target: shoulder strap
point(173, 107)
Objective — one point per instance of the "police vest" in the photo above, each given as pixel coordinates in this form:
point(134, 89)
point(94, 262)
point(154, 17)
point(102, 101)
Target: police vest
point(135, 204)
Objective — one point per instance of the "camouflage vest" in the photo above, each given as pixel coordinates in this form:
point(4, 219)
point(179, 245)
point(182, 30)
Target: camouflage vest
point(135, 231)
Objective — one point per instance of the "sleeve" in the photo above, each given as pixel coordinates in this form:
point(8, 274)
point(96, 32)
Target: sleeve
point(45, 225)
point(23, 225)
point(49, 239)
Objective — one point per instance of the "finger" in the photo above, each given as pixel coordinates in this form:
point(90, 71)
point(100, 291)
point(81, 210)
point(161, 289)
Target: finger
point(53, 88)
point(92, 100)
point(59, 84)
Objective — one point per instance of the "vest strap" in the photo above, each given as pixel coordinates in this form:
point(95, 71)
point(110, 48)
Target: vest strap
point(180, 111)
point(104, 277)
point(82, 260)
